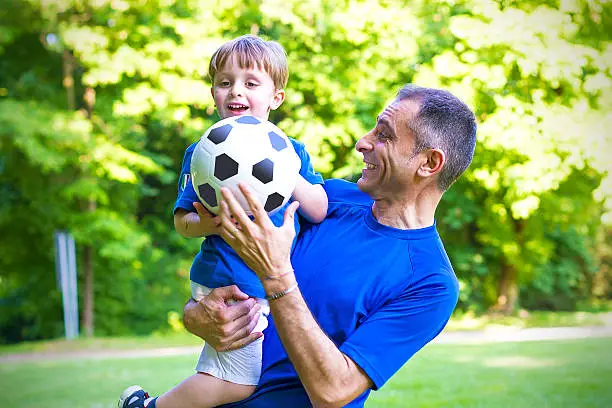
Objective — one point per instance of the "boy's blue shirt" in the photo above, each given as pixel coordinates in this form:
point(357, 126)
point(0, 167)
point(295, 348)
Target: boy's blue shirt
point(217, 264)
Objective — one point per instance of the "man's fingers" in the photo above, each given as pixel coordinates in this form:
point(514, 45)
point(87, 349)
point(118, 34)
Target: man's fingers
point(234, 208)
point(244, 342)
point(243, 325)
point(290, 213)
point(229, 229)
point(243, 308)
point(231, 292)
point(256, 208)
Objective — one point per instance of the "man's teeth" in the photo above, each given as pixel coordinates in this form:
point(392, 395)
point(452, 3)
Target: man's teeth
point(370, 166)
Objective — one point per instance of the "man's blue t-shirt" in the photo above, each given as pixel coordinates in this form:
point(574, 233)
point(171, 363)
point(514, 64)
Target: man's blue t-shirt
point(217, 264)
point(379, 293)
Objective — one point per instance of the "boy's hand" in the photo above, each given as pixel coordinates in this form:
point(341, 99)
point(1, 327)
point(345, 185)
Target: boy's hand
point(209, 223)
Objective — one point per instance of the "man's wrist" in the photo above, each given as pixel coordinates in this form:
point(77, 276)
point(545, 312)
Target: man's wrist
point(278, 295)
point(276, 286)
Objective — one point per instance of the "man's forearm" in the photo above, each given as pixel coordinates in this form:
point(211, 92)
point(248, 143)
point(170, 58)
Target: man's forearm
point(329, 377)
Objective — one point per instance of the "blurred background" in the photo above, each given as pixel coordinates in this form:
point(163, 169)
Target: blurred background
point(99, 99)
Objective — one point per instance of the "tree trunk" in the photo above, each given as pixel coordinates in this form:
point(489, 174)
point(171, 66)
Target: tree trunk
point(88, 315)
point(89, 98)
point(508, 290)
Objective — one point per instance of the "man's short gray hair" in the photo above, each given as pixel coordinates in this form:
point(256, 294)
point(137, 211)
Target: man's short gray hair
point(442, 122)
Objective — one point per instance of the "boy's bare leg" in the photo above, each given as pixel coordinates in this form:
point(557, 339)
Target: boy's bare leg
point(202, 391)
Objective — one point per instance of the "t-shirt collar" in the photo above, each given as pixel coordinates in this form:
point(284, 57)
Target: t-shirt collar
point(419, 233)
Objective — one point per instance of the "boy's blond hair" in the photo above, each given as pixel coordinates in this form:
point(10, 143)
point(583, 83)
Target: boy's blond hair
point(253, 52)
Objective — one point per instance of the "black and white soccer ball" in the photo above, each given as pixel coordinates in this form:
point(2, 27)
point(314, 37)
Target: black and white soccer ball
point(248, 150)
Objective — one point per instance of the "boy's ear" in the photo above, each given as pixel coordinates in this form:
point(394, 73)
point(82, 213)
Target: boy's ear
point(277, 100)
point(212, 92)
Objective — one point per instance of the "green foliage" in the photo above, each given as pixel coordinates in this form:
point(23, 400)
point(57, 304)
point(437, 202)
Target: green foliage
point(98, 100)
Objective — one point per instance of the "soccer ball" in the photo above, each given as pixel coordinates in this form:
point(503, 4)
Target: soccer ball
point(248, 150)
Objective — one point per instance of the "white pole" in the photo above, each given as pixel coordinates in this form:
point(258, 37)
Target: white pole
point(66, 270)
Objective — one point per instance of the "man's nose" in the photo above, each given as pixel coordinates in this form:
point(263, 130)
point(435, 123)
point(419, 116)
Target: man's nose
point(364, 144)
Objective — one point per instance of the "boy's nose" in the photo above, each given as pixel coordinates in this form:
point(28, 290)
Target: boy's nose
point(237, 90)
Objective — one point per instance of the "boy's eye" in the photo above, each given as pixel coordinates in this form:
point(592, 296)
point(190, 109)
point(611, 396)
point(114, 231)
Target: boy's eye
point(224, 83)
point(251, 84)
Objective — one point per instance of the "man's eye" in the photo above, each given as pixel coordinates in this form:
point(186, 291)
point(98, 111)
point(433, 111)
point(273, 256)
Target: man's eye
point(382, 134)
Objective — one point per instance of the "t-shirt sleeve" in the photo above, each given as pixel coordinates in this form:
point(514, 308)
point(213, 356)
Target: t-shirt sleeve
point(389, 337)
point(186, 195)
point(306, 169)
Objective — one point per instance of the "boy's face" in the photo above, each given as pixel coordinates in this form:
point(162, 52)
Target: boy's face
point(245, 91)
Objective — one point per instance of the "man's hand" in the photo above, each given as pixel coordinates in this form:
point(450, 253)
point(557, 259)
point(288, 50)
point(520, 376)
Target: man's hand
point(224, 326)
point(265, 248)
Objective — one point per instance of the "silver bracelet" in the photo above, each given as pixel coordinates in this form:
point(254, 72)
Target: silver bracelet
point(279, 295)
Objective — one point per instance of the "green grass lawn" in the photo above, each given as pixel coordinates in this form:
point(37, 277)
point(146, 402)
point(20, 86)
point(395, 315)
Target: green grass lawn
point(182, 338)
point(459, 322)
point(533, 375)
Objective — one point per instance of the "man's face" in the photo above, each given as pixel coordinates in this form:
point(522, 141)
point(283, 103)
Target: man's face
point(244, 91)
point(387, 150)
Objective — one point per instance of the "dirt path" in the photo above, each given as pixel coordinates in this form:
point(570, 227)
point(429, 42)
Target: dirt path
point(492, 335)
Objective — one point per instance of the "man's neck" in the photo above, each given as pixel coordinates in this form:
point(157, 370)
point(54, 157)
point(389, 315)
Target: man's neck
point(407, 213)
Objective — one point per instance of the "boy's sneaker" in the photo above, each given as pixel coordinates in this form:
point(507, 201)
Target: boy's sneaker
point(134, 397)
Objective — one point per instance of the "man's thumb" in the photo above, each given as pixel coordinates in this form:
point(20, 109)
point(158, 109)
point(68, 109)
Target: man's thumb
point(231, 293)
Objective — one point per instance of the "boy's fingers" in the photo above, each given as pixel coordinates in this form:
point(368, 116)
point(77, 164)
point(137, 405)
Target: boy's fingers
point(202, 211)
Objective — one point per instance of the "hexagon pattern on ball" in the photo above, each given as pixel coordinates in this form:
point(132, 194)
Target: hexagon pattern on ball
point(225, 167)
point(219, 134)
point(207, 193)
point(273, 201)
point(277, 141)
point(264, 171)
point(248, 150)
point(248, 120)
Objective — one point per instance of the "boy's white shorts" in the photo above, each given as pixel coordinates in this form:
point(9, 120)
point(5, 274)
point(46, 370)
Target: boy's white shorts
point(242, 366)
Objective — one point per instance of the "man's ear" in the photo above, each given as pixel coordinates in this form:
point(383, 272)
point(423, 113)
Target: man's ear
point(277, 100)
point(435, 159)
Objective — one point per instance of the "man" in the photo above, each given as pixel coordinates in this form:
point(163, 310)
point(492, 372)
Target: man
point(369, 286)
